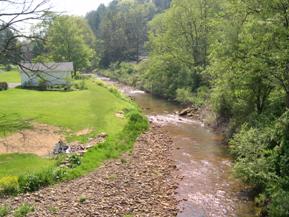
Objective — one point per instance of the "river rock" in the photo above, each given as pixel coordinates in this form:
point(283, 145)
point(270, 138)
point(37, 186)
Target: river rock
point(142, 184)
point(184, 112)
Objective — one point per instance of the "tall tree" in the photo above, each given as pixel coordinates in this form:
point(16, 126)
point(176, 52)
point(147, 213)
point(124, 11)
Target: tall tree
point(179, 38)
point(122, 28)
point(69, 38)
point(94, 18)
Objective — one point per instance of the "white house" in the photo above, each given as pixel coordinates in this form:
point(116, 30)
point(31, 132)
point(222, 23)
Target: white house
point(50, 74)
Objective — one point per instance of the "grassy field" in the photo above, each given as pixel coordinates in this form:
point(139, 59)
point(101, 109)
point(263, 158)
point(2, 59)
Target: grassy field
point(93, 108)
point(19, 164)
point(12, 76)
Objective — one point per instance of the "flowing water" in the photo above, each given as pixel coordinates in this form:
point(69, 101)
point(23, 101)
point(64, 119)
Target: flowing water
point(207, 187)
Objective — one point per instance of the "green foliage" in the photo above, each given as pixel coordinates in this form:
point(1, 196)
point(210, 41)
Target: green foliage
point(249, 78)
point(279, 206)
point(184, 95)
point(113, 146)
point(262, 160)
point(23, 210)
point(128, 215)
point(9, 185)
point(53, 210)
point(80, 85)
point(179, 52)
point(8, 67)
point(4, 211)
point(9, 46)
point(232, 56)
point(121, 28)
point(74, 161)
point(34, 181)
point(82, 199)
point(122, 71)
point(70, 39)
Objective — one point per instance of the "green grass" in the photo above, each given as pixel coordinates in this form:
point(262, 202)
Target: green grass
point(4, 210)
point(23, 210)
point(12, 76)
point(113, 147)
point(20, 164)
point(93, 108)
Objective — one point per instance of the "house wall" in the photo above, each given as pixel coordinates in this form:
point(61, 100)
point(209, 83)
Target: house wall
point(33, 79)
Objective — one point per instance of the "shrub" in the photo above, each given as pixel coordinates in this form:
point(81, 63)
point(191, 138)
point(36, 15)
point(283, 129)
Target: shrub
point(29, 183)
point(58, 174)
point(33, 182)
point(23, 210)
point(74, 161)
point(279, 205)
point(184, 95)
point(77, 76)
point(42, 84)
point(4, 210)
point(124, 72)
point(80, 85)
point(82, 199)
point(9, 185)
point(3, 86)
point(262, 158)
point(8, 67)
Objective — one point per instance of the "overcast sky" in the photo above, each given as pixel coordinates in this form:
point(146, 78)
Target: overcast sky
point(77, 7)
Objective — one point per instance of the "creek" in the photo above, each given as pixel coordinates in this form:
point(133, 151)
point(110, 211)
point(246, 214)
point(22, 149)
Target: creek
point(207, 187)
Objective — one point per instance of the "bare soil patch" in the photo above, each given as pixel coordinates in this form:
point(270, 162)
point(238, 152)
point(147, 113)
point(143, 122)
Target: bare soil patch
point(84, 132)
point(139, 184)
point(39, 140)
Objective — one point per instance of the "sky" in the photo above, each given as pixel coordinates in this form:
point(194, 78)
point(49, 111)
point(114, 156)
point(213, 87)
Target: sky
point(76, 7)
point(70, 7)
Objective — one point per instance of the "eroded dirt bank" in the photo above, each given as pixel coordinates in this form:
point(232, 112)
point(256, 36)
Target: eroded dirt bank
point(138, 184)
point(40, 140)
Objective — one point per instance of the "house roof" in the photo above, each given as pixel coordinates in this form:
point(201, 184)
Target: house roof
point(48, 67)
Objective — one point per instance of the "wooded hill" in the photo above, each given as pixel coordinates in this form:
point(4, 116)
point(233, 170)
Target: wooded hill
point(229, 56)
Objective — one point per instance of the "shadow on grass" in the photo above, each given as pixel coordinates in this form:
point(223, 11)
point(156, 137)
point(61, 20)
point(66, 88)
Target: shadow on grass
point(10, 123)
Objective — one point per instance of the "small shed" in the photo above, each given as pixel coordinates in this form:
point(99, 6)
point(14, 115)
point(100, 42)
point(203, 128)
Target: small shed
point(50, 74)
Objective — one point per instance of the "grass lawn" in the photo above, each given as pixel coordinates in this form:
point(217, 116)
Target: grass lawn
point(20, 164)
point(93, 108)
point(12, 76)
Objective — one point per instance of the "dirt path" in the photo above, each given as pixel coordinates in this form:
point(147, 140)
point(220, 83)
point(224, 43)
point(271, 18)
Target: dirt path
point(140, 184)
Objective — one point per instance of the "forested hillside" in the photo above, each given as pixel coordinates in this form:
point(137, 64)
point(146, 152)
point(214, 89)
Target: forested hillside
point(229, 56)
point(121, 28)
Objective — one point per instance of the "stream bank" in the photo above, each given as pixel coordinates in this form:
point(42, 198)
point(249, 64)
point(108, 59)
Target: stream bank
point(138, 184)
point(207, 187)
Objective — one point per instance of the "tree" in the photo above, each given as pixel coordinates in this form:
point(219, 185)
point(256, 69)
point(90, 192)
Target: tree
point(179, 44)
point(70, 39)
point(9, 46)
point(94, 18)
point(122, 29)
